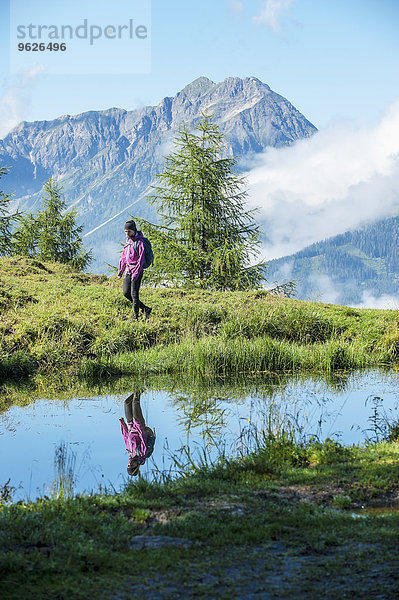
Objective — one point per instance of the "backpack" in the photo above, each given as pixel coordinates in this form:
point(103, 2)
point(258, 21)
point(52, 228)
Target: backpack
point(148, 253)
point(151, 437)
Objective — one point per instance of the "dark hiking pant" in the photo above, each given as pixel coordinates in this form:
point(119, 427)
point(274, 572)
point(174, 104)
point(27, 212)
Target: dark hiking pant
point(133, 409)
point(131, 289)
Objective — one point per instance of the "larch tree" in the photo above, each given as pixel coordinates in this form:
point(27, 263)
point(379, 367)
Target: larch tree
point(206, 237)
point(6, 220)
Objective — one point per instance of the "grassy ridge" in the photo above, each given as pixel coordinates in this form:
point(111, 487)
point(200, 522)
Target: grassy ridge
point(57, 321)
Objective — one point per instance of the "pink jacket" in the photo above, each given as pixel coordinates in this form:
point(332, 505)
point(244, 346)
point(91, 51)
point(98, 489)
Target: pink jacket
point(135, 438)
point(132, 261)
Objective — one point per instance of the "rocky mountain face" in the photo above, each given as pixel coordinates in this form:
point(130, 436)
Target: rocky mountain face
point(106, 160)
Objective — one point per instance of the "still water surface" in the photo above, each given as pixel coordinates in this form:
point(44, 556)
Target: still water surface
point(208, 420)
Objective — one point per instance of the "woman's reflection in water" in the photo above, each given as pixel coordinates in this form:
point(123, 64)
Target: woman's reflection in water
point(139, 439)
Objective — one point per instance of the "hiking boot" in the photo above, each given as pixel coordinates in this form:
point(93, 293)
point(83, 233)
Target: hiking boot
point(147, 312)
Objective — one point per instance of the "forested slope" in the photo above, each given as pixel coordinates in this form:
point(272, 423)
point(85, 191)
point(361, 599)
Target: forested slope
point(349, 265)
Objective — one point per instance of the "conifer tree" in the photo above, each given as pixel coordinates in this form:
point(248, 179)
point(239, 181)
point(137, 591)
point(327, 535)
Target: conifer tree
point(52, 234)
point(206, 237)
point(6, 219)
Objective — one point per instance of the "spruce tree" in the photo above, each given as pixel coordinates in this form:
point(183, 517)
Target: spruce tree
point(206, 237)
point(52, 234)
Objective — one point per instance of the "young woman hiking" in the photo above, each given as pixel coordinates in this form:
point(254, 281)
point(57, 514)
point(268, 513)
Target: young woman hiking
point(139, 439)
point(132, 264)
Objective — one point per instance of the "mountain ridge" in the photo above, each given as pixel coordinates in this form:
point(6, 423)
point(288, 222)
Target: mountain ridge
point(107, 159)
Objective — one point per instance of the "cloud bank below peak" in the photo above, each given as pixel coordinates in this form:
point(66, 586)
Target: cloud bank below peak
point(340, 178)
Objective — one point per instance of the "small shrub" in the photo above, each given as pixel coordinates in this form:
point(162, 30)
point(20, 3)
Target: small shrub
point(140, 515)
point(383, 426)
point(7, 492)
point(342, 501)
point(276, 451)
point(329, 452)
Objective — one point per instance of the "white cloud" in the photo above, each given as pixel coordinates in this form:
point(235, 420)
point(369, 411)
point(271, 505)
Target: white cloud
point(271, 13)
point(166, 147)
point(338, 179)
point(325, 290)
point(14, 102)
point(383, 302)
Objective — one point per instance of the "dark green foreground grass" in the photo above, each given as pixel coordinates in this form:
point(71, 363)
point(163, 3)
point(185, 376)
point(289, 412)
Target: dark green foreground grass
point(267, 525)
point(59, 323)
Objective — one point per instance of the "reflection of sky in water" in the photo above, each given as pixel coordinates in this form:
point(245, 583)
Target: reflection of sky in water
point(90, 427)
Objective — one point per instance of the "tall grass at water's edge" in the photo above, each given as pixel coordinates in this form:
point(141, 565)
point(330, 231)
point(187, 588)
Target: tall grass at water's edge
point(63, 483)
point(210, 356)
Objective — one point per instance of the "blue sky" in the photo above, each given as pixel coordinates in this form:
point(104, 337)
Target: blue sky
point(333, 59)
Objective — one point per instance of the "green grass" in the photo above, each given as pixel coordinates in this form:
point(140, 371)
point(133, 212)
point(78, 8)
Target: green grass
point(276, 521)
point(57, 322)
point(279, 517)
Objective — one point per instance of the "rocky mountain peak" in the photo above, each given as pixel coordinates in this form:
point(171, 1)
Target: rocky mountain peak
point(250, 85)
point(197, 87)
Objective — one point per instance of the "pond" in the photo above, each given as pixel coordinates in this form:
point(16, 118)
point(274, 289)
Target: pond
point(83, 434)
